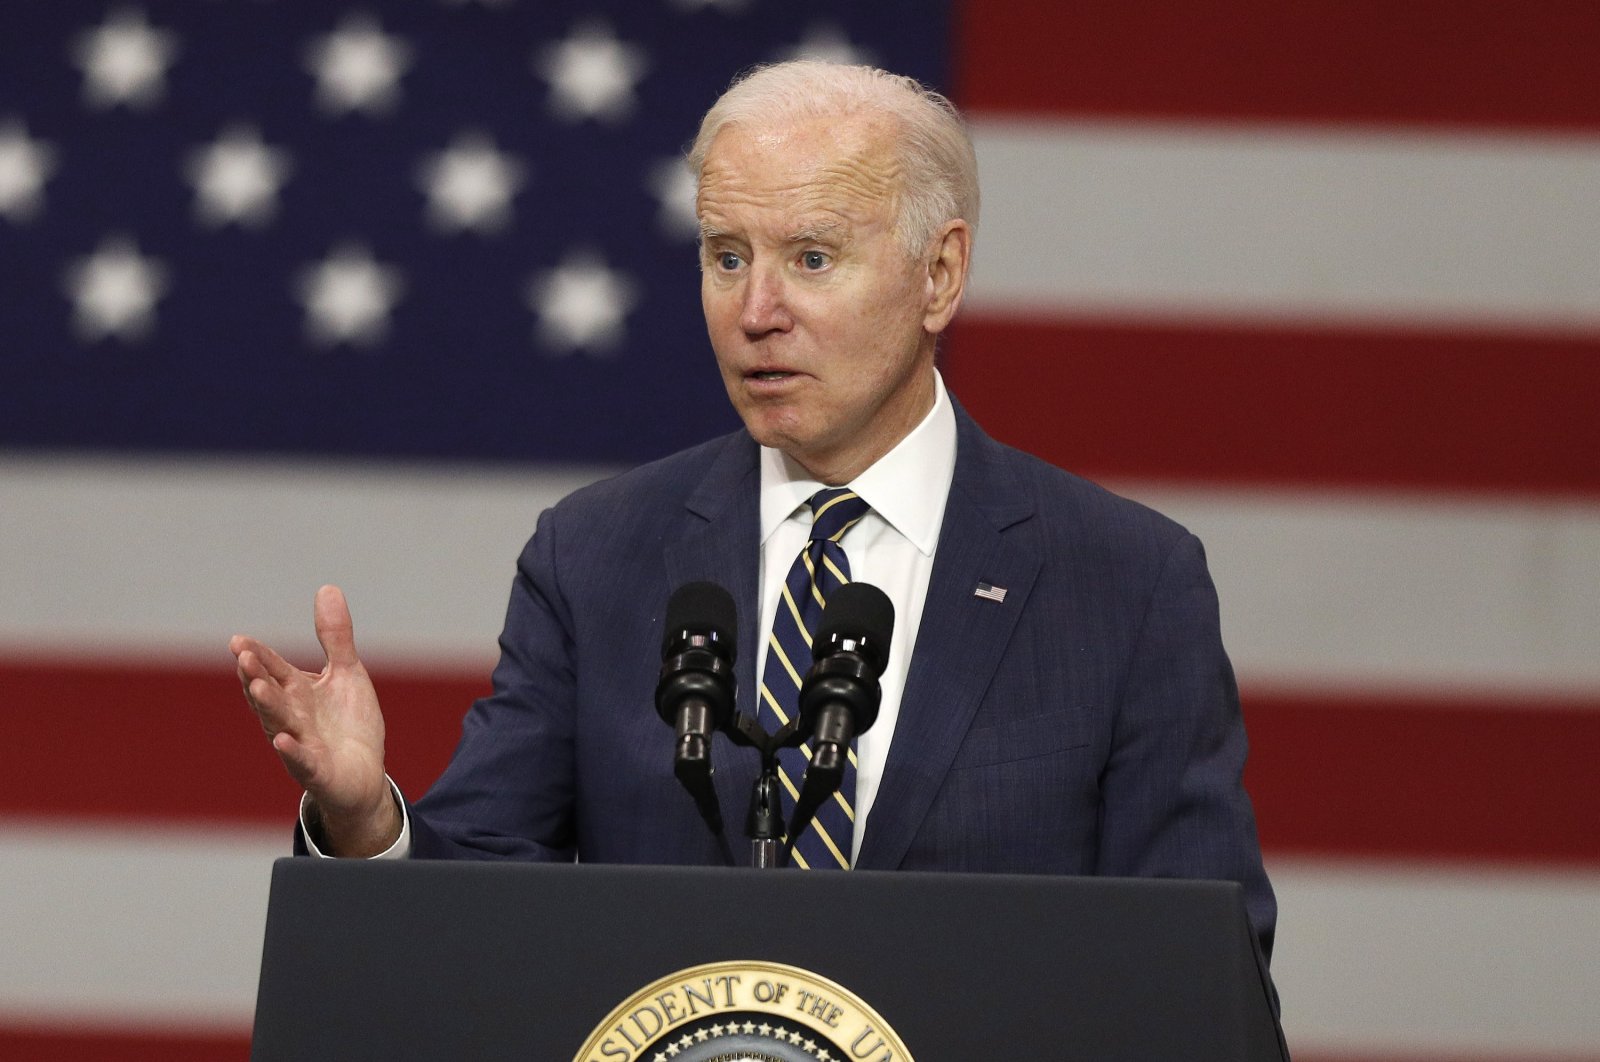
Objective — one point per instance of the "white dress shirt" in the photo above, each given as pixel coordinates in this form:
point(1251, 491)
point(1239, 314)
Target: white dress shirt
point(891, 547)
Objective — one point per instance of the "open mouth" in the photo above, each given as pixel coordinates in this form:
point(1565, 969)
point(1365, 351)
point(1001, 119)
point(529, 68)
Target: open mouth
point(777, 375)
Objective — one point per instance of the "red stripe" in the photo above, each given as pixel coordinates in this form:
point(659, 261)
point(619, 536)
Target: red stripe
point(57, 1045)
point(1459, 62)
point(154, 741)
point(1419, 779)
point(1354, 776)
point(1288, 406)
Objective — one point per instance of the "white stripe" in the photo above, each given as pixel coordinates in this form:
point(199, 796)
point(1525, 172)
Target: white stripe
point(133, 926)
point(1341, 589)
point(1395, 592)
point(176, 555)
point(1288, 223)
point(1407, 962)
point(142, 927)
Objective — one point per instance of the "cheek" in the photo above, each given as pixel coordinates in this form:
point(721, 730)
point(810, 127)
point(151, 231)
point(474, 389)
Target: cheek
point(721, 311)
point(889, 324)
point(709, 299)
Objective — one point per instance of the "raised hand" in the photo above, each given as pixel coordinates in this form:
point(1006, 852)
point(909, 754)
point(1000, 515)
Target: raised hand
point(328, 730)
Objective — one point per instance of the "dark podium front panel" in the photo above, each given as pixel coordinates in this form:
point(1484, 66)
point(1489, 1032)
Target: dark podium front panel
point(492, 961)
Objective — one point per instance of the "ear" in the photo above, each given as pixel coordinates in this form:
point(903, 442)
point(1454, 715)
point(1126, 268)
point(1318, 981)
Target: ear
point(947, 275)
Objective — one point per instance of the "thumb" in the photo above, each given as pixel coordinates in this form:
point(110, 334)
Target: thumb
point(335, 631)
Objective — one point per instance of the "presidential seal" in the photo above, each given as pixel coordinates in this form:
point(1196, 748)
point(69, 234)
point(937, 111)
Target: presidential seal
point(743, 1012)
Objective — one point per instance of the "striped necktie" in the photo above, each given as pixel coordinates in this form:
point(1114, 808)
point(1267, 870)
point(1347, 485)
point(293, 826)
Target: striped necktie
point(820, 569)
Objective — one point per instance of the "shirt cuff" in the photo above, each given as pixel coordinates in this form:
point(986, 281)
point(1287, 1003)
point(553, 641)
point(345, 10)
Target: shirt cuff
point(310, 827)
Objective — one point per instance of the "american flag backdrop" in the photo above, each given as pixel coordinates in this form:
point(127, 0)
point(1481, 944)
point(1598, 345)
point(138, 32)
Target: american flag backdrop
point(298, 292)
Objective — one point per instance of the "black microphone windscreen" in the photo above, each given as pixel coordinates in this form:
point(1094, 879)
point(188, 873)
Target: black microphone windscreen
point(859, 611)
point(702, 609)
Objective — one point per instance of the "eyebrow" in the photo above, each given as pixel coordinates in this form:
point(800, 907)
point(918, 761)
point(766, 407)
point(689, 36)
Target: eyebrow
point(817, 232)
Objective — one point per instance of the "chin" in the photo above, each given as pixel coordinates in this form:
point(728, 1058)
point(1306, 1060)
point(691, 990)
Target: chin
point(771, 425)
point(766, 435)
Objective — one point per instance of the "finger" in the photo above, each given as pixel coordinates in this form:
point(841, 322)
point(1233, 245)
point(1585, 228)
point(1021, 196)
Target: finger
point(270, 663)
point(274, 666)
point(335, 630)
point(272, 706)
point(249, 663)
point(245, 678)
point(240, 644)
point(250, 670)
point(253, 669)
point(296, 758)
point(259, 710)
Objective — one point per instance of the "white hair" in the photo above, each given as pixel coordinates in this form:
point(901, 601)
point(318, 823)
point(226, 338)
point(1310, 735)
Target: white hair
point(933, 149)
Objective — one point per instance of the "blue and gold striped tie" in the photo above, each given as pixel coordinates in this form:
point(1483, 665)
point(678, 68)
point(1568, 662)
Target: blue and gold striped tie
point(820, 569)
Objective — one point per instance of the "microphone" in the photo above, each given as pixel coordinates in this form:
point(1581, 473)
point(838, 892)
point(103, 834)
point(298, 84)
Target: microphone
point(695, 693)
point(840, 696)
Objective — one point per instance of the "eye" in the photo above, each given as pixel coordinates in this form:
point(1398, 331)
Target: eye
point(727, 260)
point(813, 260)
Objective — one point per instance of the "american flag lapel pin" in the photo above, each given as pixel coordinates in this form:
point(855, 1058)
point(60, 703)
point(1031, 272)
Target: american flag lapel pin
point(990, 592)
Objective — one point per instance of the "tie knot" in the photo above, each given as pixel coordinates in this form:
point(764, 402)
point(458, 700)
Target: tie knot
point(833, 511)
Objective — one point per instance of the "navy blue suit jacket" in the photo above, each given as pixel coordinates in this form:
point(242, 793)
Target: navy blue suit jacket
point(1087, 724)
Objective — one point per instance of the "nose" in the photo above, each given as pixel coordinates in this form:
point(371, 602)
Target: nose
point(765, 307)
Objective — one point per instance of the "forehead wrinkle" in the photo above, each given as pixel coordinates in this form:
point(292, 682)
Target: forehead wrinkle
point(872, 172)
point(851, 182)
point(866, 177)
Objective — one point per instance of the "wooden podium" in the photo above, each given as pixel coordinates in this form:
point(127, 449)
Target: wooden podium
point(496, 961)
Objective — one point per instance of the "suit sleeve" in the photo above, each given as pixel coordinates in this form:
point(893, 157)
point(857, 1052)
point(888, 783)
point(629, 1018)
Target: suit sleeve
point(1173, 801)
point(508, 792)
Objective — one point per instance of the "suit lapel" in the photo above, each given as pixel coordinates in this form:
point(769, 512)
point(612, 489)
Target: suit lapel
point(720, 543)
point(960, 640)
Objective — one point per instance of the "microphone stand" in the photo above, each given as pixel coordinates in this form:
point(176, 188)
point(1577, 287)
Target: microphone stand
point(764, 824)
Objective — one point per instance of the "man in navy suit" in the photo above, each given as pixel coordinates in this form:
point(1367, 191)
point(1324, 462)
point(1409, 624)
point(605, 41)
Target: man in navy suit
point(1057, 699)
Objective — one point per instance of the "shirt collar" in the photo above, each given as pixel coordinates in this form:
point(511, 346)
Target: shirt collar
point(907, 486)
